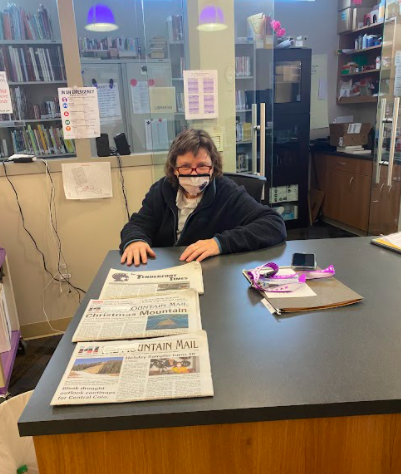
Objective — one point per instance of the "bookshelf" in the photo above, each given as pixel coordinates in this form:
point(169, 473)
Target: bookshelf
point(245, 61)
point(33, 61)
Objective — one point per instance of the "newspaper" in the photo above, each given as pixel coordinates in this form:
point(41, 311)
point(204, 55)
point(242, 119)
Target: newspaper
point(150, 316)
point(127, 371)
point(123, 284)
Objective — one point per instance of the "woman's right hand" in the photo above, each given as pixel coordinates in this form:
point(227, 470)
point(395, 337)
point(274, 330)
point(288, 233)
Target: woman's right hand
point(137, 253)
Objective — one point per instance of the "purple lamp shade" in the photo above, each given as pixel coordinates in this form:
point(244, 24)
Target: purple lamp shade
point(211, 18)
point(100, 18)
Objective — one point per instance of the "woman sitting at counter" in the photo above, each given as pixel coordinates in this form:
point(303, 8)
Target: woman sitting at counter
point(195, 206)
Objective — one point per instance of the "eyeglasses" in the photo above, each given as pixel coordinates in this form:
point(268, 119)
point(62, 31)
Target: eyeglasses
point(198, 170)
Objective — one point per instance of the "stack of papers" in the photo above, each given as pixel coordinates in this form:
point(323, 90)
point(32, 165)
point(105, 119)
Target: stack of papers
point(391, 242)
point(163, 305)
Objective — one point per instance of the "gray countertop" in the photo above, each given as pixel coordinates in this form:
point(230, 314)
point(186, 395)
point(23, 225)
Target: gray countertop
point(337, 362)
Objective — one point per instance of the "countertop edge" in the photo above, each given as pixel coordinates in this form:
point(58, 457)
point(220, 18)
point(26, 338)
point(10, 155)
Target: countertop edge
point(202, 418)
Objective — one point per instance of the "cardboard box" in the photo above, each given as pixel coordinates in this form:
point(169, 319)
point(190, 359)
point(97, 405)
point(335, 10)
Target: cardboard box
point(349, 134)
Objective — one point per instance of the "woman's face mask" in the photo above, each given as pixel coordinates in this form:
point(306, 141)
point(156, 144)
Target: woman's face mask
point(194, 184)
point(194, 172)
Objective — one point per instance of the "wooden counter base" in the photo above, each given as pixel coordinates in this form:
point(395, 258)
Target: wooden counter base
point(345, 445)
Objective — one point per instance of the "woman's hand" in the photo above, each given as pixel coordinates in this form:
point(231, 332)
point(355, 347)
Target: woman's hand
point(200, 250)
point(137, 253)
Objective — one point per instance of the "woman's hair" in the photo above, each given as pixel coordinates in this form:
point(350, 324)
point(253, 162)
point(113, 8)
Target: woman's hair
point(192, 141)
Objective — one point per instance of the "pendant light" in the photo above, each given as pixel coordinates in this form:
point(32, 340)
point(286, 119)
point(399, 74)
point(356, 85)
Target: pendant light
point(211, 18)
point(100, 18)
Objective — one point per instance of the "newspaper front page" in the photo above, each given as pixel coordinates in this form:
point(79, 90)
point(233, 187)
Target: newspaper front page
point(123, 284)
point(149, 316)
point(127, 371)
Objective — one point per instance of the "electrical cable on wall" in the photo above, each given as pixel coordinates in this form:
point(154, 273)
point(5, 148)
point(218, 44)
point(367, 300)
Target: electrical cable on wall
point(60, 254)
point(115, 153)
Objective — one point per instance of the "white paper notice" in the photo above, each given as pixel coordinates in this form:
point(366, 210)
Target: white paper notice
point(79, 112)
point(201, 95)
point(156, 133)
point(87, 180)
point(6, 107)
point(398, 58)
point(109, 102)
point(140, 97)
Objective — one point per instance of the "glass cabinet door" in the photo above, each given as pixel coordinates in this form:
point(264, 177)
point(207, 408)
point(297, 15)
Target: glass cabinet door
point(386, 182)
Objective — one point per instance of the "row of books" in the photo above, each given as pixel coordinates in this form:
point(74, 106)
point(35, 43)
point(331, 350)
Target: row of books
point(120, 42)
point(243, 66)
point(175, 28)
point(41, 141)
point(25, 109)
point(158, 47)
point(26, 63)
point(17, 24)
point(243, 131)
point(241, 102)
point(180, 102)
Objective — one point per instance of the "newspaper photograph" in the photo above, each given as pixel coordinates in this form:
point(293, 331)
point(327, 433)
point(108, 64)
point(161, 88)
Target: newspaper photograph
point(123, 284)
point(128, 371)
point(149, 316)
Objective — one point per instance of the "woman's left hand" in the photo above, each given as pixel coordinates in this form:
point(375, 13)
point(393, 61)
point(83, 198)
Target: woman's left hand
point(200, 250)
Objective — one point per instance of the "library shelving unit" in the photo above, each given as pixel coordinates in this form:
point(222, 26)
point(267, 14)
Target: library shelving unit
point(33, 61)
point(245, 62)
point(366, 56)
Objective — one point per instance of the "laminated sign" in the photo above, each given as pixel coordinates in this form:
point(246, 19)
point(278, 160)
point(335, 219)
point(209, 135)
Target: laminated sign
point(6, 106)
point(79, 112)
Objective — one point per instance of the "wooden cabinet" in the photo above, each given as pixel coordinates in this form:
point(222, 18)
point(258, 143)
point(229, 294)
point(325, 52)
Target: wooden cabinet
point(352, 199)
point(385, 203)
point(348, 198)
point(346, 183)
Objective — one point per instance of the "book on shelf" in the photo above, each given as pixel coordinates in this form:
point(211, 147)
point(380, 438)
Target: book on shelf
point(3, 148)
point(241, 102)
point(17, 24)
point(243, 66)
point(126, 46)
point(243, 162)
point(243, 130)
point(33, 64)
point(41, 141)
point(25, 109)
point(175, 28)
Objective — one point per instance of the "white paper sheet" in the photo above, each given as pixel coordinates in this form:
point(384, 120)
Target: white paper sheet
point(156, 134)
point(6, 106)
point(140, 97)
point(79, 112)
point(305, 290)
point(319, 117)
point(201, 95)
point(109, 102)
point(87, 180)
point(162, 100)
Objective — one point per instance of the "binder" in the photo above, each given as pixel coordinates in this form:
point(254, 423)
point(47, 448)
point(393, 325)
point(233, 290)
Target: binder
point(380, 242)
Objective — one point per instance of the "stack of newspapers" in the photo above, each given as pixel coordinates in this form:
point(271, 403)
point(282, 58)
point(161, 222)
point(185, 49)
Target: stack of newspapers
point(141, 340)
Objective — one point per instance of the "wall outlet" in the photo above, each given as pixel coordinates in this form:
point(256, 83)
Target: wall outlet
point(66, 276)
